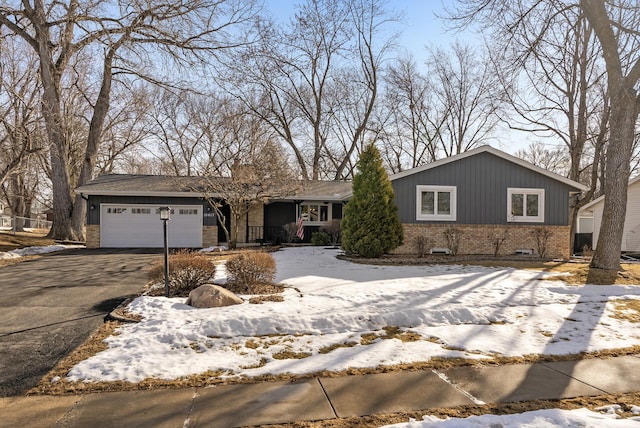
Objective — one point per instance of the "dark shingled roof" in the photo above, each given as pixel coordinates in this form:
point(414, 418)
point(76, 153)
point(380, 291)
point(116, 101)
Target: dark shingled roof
point(163, 185)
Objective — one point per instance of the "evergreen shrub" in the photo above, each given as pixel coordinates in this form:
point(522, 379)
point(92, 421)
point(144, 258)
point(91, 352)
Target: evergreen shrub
point(320, 238)
point(371, 226)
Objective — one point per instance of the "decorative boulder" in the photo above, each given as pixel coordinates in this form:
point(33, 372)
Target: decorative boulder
point(212, 296)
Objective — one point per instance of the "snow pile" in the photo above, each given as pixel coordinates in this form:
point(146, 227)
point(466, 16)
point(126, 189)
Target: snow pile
point(29, 251)
point(337, 315)
point(540, 419)
point(215, 249)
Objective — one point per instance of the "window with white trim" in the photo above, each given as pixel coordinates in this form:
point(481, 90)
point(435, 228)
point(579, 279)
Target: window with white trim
point(315, 213)
point(436, 203)
point(525, 205)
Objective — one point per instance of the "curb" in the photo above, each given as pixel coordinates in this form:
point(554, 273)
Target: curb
point(120, 313)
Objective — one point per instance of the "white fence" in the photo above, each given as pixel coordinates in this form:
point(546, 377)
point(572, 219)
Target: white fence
point(11, 223)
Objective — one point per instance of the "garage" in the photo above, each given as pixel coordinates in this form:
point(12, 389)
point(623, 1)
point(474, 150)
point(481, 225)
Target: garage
point(139, 226)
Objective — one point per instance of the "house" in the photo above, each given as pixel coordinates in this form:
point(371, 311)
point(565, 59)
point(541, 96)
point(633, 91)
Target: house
point(631, 234)
point(123, 211)
point(486, 198)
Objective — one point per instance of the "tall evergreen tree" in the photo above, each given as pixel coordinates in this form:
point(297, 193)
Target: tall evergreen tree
point(371, 226)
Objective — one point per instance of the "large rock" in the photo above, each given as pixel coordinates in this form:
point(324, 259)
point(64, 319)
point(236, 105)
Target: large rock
point(212, 296)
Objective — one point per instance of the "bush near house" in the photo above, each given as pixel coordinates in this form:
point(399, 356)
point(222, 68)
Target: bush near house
point(371, 226)
point(320, 238)
point(250, 269)
point(187, 271)
point(334, 230)
point(289, 231)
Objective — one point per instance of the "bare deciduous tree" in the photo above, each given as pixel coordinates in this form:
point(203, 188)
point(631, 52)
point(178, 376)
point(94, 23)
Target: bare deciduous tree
point(469, 92)
point(412, 121)
point(554, 159)
point(558, 91)
point(315, 81)
point(126, 127)
point(19, 115)
point(124, 37)
point(615, 25)
point(259, 175)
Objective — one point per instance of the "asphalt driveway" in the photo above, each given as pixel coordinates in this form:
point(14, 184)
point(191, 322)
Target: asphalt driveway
point(50, 305)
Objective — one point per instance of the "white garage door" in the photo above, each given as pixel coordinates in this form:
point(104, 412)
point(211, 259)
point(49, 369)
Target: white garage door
point(139, 226)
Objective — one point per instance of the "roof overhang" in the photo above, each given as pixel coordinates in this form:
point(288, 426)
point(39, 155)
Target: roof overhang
point(90, 192)
point(164, 187)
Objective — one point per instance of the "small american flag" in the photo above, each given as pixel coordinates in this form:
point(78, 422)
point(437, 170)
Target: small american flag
point(300, 232)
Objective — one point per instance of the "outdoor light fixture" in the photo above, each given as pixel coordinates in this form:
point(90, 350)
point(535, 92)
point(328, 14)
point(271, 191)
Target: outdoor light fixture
point(165, 213)
point(165, 216)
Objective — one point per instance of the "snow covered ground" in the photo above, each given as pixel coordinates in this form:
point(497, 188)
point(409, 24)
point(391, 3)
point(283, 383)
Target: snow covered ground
point(333, 318)
point(582, 418)
point(29, 251)
point(454, 311)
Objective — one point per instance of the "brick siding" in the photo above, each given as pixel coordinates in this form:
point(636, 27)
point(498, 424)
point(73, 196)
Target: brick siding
point(209, 236)
point(256, 218)
point(478, 239)
point(92, 233)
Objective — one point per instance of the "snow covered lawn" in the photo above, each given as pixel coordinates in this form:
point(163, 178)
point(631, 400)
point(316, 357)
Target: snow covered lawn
point(338, 315)
point(30, 251)
point(539, 419)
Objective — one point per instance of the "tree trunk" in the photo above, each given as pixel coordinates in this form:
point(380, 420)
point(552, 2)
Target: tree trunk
point(62, 226)
point(624, 113)
point(17, 203)
point(100, 111)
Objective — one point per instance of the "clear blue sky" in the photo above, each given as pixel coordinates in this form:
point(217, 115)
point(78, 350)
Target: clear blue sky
point(420, 26)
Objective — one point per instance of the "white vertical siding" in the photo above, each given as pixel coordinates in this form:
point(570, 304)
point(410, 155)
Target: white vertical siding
point(631, 234)
point(597, 221)
point(585, 224)
point(631, 238)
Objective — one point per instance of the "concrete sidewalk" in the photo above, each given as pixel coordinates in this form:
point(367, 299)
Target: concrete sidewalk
point(326, 398)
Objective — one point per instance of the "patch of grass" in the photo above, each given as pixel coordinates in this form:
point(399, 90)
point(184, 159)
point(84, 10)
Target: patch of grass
point(390, 332)
point(96, 344)
point(327, 349)
point(9, 241)
point(581, 273)
point(628, 310)
point(262, 363)
point(258, 300)
point(196, 347)
point(15, 261)
point(368, 338)
point(290, 355)
point(251, 344)
point(393, 332)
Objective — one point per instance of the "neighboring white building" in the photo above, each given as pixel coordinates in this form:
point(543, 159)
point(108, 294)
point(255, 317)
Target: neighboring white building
point(631, 236)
